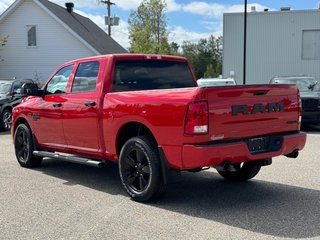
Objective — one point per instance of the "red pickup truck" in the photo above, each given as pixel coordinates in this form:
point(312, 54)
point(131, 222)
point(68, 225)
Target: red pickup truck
point(147, 113)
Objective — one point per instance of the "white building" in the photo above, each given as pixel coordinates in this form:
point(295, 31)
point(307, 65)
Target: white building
point(43, 35)
point(278, 43)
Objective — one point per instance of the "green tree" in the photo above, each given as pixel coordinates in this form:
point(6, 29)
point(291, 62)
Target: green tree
point(147, 28)
point(205, 56)
point(174, 48)
point(210, 71)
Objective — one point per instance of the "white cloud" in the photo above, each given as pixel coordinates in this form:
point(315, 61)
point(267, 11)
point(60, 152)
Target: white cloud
point(213, 26)
point(119, 33)
point(205, 10)
point(127, 4)
point(3, 7)
point(4, 4)
point(172, 6)
point(133, 4)
point(78, 3)
point(216, 10)
point(179, 34)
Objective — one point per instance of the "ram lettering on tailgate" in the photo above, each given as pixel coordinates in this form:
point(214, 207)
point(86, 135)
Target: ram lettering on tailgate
point(258, 107)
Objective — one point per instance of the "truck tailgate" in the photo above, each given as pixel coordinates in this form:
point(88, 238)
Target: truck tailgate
point(249, 111)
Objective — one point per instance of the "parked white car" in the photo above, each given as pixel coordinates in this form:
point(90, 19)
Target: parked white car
point(209, 82)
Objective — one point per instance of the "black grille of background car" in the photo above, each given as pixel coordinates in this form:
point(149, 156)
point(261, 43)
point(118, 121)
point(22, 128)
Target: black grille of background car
point(310, 103)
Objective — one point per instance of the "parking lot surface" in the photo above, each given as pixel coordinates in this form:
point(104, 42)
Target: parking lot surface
point(61, 200)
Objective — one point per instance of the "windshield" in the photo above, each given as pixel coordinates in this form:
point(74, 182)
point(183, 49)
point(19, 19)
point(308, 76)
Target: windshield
point(304, 84)
point(5, 87)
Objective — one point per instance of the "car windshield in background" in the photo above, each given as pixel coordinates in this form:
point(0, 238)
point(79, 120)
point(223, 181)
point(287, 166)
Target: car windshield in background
point(304, 84)
point(5, 87)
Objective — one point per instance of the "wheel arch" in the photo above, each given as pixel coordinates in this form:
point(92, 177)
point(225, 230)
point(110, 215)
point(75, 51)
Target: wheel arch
point(129, 130)
point(19, 121)
point(4, 107)
point(134, 129)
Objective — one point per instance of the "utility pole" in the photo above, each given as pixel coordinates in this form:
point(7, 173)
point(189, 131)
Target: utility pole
point(245, 42)
point(109, 14)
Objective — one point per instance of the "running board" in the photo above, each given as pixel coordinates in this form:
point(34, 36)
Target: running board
point(73, 159)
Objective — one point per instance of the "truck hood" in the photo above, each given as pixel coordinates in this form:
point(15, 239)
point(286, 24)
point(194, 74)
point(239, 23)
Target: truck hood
point(310, 94)
point(3, 98)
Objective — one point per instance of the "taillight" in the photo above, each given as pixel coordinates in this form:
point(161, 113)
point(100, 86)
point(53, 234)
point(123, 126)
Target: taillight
point(197, 118)
point(300, 109)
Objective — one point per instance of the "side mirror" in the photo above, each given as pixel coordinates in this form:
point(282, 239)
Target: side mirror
point(30, 89)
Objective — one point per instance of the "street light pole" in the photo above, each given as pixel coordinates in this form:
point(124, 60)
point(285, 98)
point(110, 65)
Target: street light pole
point(245, 42)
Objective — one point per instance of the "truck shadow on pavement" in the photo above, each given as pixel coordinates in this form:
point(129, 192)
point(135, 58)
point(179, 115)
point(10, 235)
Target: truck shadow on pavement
point(105, 179)
point(259, 206)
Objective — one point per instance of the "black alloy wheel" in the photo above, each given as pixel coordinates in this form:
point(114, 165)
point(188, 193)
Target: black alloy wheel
point(137, 170)
point(23, 144)
point(139, 167)
point(6, 120)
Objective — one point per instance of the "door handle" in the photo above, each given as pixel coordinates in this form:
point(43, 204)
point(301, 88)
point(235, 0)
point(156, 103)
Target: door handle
point(89, 104)
point(56, 105)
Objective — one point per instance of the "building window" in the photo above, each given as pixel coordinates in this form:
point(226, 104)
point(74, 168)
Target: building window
point(311, 44)
point(32, 36)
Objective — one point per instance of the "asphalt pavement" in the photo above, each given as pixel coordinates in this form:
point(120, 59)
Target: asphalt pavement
point(62, 200)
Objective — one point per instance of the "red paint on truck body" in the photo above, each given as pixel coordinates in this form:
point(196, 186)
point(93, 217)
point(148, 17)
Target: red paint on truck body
point(93, 131)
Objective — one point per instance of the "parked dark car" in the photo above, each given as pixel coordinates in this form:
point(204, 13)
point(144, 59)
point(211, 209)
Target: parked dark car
point(310, 95)
point(9, 97)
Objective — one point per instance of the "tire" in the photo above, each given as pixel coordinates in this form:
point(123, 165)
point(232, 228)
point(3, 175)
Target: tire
point(140, 169)
point(6, 120)
point(24, 147)
point(243, 173)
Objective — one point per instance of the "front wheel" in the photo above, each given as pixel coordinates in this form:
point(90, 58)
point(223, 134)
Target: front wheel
point(241, 172)
point(140, 169)
point(24, 147)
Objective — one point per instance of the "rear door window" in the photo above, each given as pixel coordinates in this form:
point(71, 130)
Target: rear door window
point(133, 75)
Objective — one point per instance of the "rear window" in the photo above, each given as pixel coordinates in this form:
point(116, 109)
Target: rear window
point(133, 75)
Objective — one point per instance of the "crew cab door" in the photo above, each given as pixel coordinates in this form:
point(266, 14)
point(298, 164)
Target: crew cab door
point(48, 111)
point(80, 110)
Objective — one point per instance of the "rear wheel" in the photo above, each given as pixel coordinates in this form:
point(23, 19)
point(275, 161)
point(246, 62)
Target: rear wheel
point(140, 170)
point(24, 147)
point(6, 120)
point(241, 172)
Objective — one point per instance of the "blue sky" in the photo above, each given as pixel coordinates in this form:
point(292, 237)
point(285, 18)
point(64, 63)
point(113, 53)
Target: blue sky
point(187, 19)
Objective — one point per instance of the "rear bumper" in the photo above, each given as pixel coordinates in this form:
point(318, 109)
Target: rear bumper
point(194, 156)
